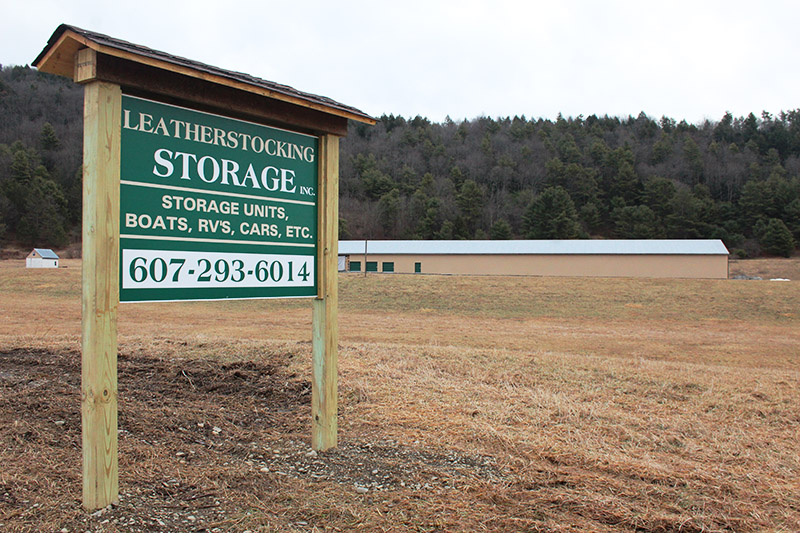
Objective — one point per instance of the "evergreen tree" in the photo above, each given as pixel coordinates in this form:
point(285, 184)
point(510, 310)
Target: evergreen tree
point(376, 183)
point(43, 221)
point(657, 195)
point(694, 159)
point(685, 219)
point(446, 232)
point(48, 139)
point(431, 223)
point(470, 205)
point(389, 205)
point(620, 179)
point(637, 222)
point(16, 187)
point(568, 150)
point(591, 217)
point(755, 204)
point(792, 218)
point(22, 165)
point(776, 238)
point(723, 131)
point(500, 230)
point(552, 215)
point(35, 205)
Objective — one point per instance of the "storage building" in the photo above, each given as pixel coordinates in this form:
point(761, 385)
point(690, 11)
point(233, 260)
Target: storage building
point(601, 258)
point(41, 258)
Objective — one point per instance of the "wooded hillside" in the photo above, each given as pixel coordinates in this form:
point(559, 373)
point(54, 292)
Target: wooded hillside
point(635, 177)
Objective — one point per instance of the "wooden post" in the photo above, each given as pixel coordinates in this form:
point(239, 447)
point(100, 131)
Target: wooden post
point(324, 388)
point(100, 293)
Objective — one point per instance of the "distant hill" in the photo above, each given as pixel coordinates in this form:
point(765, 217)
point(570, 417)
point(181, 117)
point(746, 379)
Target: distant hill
point(737, 179)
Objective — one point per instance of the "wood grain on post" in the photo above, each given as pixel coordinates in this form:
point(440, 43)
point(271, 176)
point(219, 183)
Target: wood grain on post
point(100, 292)
point(324, 389)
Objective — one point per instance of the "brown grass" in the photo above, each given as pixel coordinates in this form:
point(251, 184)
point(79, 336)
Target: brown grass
point(481, 404)
point(766, 268)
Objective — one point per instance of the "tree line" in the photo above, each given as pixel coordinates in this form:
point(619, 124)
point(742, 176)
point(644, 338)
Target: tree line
point(579, 177)
point(737, 179)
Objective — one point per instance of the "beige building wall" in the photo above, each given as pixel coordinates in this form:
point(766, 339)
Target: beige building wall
point(636, 266)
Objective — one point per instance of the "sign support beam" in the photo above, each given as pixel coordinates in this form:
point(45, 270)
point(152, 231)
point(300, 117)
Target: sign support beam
point(100, 291)
point(324, 396)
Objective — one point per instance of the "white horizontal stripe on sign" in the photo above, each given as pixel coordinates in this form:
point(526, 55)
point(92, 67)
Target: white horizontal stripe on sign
point(224, 241)
point(216, 193)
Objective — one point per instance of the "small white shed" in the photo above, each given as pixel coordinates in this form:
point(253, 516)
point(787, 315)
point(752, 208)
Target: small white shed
point(41, 258)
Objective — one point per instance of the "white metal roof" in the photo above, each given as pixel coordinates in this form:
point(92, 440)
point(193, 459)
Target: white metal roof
point(539, 247)
point(45, 253)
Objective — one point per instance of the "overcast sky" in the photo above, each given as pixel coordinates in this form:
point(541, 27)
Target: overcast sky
point(684, 59)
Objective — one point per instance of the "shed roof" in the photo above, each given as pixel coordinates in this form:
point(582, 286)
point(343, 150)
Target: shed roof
point(58, 57)
point(45, 253)
point(539, 247)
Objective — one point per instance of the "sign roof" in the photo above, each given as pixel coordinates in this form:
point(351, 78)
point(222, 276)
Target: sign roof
point(58, 58)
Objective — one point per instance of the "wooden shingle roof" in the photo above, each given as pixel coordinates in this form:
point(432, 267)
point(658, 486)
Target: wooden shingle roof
point(58, 57)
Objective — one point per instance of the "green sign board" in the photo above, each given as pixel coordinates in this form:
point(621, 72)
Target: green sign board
point(213, 207)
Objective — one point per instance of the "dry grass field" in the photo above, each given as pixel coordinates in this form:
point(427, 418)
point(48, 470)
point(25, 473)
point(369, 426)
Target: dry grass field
point(466, 404)
point(767, 268)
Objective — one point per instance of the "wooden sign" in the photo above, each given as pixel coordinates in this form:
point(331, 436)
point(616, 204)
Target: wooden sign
point(217, 185)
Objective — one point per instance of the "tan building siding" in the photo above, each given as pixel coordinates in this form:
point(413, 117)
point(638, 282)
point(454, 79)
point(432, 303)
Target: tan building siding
point(598, 265)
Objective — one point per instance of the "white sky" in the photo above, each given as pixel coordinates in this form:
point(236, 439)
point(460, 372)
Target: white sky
point(465, 58)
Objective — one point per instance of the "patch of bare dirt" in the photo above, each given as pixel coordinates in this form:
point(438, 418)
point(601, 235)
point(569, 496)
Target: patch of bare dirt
point(203, 445)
